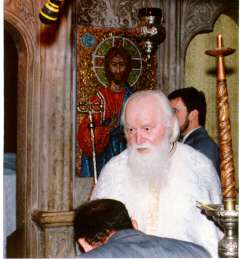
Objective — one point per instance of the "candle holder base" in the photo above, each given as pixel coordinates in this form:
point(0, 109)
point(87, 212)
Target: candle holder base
point(228, 219)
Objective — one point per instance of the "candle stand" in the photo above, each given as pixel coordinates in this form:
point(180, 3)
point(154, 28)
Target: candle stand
point(228, 219)
point(227, 214)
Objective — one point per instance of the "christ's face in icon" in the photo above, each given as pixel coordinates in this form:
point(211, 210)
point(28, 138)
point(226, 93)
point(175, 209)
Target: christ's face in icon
point(117, 66)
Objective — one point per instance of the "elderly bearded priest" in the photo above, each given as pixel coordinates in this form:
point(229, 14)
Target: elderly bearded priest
point(158, 179)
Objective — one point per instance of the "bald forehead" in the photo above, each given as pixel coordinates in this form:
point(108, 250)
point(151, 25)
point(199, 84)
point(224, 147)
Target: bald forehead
point(145, 109)
point(144, 102)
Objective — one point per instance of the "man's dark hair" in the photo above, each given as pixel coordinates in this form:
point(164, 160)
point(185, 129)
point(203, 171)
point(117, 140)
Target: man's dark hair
point(193, 99)
point(113, 52)
point(96, 220)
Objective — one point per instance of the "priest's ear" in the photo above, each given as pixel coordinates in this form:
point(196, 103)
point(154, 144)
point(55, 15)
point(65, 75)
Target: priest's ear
point(173, 122)
point(193, 115)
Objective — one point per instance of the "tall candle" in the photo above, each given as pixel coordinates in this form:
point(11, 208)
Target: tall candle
point(227, 168)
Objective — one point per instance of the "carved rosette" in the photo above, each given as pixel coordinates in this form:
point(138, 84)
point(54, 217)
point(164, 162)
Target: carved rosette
point(108, 13)
point(228, 180)
point(23, 10)
point(200, 16)
point(199, 13)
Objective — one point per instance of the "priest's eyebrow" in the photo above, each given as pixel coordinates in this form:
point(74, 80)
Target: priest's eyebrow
point(142, 126)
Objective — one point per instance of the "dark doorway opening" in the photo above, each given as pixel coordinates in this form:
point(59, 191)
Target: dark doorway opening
point(10, 136)
point(10, 94)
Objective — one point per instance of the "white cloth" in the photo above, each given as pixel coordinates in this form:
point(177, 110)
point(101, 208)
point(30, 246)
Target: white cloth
point(171, 211)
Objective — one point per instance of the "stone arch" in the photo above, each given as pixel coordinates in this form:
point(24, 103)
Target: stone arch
point(200, 18)
point(24, 44)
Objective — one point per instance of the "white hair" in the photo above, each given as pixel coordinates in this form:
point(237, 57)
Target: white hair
point(166, 107)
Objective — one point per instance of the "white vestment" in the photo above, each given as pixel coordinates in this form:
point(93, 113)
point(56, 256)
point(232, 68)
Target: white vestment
point(170, 211)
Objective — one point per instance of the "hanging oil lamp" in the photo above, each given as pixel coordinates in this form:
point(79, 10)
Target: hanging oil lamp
point(150, 30)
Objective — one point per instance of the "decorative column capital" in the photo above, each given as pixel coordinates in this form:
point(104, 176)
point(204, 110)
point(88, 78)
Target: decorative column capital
point(56, 233)
point(49, 219)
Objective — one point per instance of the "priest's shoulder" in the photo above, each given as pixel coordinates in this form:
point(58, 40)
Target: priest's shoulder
point(188, 150)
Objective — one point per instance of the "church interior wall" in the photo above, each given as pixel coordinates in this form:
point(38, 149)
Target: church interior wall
point(201, 71)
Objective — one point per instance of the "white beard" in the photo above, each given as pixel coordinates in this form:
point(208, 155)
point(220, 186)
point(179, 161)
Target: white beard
point(151, 167)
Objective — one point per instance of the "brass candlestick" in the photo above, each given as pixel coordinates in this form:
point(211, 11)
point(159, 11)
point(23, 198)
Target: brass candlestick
point(226, 215)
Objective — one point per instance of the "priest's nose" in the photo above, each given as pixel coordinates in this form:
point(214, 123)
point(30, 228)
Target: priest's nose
point(139, 138)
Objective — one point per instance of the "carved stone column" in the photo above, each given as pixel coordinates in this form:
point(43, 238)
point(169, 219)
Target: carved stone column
point(169, 53)
point(54, 213)
point(45, 130)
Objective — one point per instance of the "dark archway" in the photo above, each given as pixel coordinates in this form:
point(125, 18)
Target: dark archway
point(10, 94)
point(10, 135)
point(16, 242)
